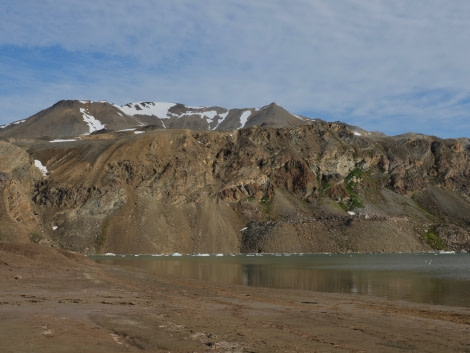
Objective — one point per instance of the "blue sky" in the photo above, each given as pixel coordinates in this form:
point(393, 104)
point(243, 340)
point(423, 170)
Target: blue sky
point(390, 66)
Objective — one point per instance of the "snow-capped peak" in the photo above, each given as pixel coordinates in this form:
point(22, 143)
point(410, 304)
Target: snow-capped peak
point(161, 110)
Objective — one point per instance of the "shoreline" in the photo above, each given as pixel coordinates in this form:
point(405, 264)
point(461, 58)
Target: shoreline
point(56, 301)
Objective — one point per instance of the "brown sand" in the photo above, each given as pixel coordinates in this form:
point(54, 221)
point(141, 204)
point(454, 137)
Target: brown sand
point(55, 301)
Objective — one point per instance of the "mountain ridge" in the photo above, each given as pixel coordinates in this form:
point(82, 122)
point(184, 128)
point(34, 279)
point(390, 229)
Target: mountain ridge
point(70, 118)
point(125, 185)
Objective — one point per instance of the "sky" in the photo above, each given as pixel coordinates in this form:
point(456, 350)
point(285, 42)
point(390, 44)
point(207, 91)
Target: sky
point(391, 66)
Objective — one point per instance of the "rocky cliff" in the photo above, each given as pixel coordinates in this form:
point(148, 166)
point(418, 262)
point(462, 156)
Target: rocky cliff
point(322, 187)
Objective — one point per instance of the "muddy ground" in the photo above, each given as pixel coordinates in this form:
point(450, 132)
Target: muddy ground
point(57, 301)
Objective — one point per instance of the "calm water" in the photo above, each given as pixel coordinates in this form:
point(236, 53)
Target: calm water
point(425, 278)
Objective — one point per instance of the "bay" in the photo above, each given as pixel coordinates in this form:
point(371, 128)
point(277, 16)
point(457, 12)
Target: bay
point(439, 279)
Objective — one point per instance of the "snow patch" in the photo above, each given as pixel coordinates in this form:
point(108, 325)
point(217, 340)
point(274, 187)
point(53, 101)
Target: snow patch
point(222, 118)
point(160, 109)
point(224, 115)
point(14, 123)
point(54, 227)
point(93, 123)
point(62, 140)
point(42, 168)
point(357, 133)
point(244, 117)
point(209, 115)
point(138, 132)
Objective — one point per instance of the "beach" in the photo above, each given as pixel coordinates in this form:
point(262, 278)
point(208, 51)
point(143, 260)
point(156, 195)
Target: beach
point(57, 301)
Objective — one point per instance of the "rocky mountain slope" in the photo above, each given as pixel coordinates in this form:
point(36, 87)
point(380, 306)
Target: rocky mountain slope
point(268, 187)
point(77, 118)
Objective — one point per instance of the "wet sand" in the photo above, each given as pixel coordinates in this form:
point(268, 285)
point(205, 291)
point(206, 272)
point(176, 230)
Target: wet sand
point(56, 301)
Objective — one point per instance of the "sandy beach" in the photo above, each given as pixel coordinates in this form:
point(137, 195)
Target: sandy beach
point(57, 301)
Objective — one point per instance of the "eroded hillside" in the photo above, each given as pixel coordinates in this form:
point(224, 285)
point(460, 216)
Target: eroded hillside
point(314, 188)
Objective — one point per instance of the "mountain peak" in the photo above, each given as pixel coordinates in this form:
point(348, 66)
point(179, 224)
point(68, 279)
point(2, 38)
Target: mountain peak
point(68, 118)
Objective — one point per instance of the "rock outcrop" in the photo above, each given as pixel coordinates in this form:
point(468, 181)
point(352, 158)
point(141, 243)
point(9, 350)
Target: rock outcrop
point(316, 188)
point(321, 187)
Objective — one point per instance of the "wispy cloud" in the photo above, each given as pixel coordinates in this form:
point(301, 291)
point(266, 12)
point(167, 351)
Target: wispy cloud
point(392, 66)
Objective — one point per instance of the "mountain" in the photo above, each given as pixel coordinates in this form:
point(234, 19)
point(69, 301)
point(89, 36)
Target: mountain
point(72, 118)
point(280, 184)
point(314, 188)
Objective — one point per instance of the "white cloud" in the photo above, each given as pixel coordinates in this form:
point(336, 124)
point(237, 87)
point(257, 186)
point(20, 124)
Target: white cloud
point(367, 63)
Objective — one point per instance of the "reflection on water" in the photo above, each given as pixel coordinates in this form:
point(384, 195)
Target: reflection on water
point(425, 278)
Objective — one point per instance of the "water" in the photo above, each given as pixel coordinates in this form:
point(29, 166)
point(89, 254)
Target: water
point(423, 278)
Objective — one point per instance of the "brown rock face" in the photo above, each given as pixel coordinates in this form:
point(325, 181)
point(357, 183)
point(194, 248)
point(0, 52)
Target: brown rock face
point(313, 188)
